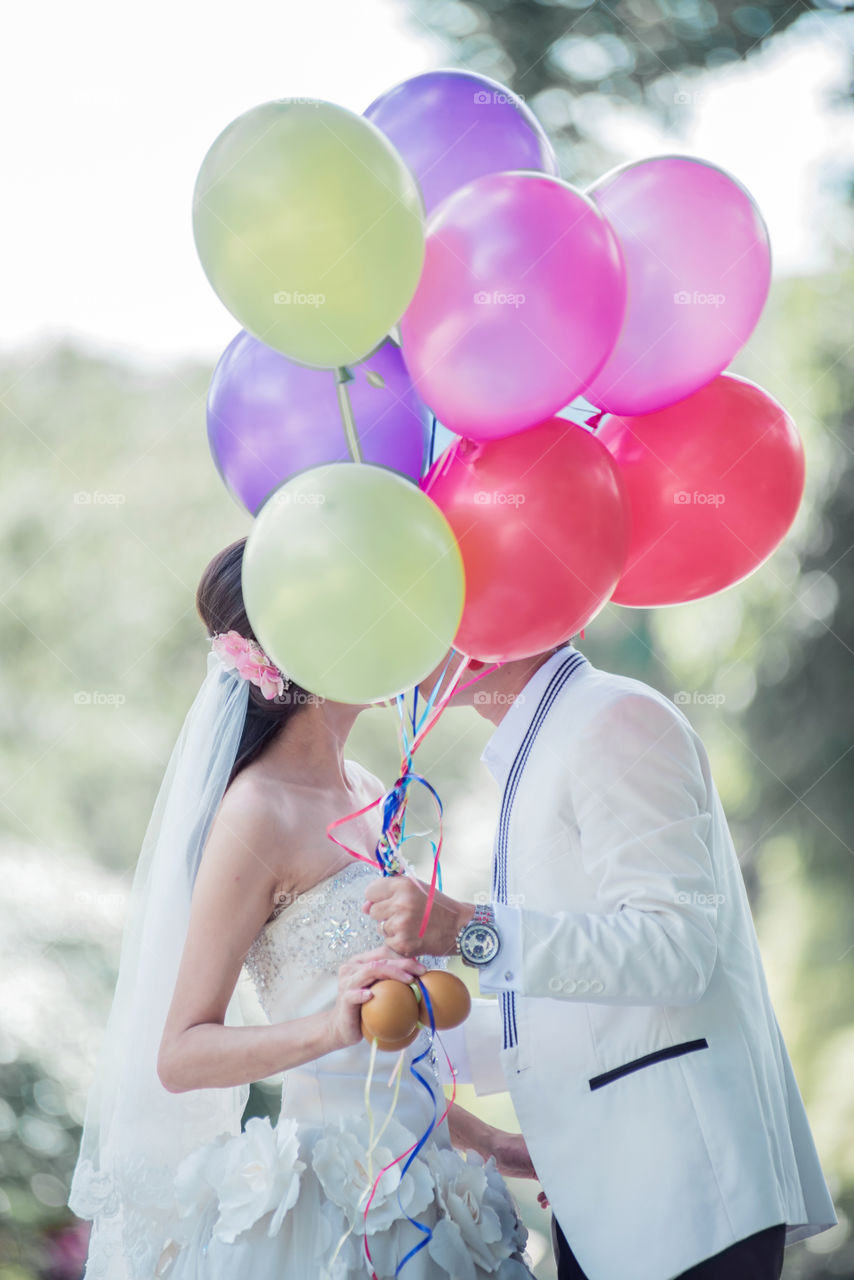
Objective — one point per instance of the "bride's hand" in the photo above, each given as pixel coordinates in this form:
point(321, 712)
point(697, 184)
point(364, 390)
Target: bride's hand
point(355, 978)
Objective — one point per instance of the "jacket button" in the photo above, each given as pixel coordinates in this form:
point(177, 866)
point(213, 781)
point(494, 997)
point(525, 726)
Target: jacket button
point(583, 985)
point(569, 986)
point(597, 986)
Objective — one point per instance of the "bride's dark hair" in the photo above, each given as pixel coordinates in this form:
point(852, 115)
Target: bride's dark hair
point(219, 603)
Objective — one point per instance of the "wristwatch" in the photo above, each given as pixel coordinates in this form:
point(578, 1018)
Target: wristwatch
point(478, 942)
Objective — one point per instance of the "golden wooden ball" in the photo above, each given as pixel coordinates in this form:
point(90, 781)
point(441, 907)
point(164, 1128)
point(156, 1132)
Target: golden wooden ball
point(449, 998)
point(392, 1012)
point(394, 1046)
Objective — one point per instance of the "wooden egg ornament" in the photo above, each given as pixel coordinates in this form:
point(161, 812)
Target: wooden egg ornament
point(391, 1014)
point(449, 999)
point(394, 1046)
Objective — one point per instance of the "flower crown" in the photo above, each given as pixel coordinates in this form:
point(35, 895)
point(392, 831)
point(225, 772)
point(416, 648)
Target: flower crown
point(248, 659)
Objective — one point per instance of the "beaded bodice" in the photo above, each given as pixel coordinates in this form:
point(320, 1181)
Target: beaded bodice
point(297, 954)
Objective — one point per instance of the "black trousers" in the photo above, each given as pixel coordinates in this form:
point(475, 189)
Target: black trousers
point(758, 1257)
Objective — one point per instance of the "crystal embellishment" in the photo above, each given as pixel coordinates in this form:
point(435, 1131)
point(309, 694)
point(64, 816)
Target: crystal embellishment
point(339, 935)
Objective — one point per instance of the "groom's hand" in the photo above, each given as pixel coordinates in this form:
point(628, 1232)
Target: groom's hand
point(397, 904)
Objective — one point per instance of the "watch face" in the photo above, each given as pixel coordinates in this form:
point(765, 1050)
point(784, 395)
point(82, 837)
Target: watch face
point(479, 943)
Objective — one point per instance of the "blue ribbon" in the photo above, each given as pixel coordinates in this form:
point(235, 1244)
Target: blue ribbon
point(427, 1231)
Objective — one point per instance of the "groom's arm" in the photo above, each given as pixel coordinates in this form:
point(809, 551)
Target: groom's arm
point(640, 803)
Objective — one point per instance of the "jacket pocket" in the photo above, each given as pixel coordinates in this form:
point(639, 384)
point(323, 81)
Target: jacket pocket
point(659, 1055)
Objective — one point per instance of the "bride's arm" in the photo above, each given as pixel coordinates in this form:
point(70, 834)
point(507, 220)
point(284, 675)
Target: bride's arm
point(232, 898)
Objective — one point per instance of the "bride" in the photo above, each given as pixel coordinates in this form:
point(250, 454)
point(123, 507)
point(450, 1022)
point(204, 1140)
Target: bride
point(238, 875)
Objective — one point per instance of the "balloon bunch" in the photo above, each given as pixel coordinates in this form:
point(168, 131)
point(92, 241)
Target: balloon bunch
point(425, 261)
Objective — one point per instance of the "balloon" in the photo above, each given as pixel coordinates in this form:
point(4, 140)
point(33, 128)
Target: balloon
point(269, 418)
point(452, 126)
point(713, 484)
point(310, 228)
point(698, 263)
point(353, 582)
point(542, 526)
point(520, 302)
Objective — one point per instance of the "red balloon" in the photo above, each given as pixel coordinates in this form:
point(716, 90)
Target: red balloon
point(714, 483)
point(542, 524)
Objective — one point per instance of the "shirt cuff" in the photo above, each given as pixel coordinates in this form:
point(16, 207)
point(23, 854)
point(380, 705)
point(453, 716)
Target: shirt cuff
point(504, 973)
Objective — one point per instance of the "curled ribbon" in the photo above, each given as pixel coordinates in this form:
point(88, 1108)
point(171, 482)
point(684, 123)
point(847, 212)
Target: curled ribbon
point(411, 1152)
point(388, 855)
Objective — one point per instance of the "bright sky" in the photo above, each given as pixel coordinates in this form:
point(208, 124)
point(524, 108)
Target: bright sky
point(109, 110)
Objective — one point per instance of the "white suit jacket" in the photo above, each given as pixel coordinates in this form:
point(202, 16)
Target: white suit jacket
point(638, 1040)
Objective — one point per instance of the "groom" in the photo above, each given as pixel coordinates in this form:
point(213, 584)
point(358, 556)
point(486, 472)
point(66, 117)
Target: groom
point(639, 1043)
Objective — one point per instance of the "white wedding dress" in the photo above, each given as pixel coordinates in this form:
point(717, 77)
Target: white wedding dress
point(287, 1201)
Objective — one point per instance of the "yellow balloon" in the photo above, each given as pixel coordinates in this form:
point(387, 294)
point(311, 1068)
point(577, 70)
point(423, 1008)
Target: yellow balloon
point(310, 228)
point(353, 581)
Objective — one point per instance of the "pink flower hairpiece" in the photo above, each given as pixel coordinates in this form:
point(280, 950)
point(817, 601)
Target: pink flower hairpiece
point(248, 659)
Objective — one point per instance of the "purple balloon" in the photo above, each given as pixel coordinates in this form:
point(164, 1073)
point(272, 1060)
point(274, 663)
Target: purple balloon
point(269, 418)
point(453, 126)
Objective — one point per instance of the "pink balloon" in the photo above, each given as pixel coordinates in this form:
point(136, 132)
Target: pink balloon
point(698, 263)
point(520, 301)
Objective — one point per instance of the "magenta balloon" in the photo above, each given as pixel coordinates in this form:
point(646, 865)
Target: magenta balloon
point(520, 301)
point(452, 126)
point(269, 418)
point(698, 263)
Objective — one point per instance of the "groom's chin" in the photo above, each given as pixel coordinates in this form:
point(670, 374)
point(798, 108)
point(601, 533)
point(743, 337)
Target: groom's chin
point(427, 685)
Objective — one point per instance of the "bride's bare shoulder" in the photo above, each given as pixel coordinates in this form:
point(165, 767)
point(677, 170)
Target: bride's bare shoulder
point(258, 805)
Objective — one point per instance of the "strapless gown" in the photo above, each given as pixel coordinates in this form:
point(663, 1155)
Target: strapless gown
point(287, 1201)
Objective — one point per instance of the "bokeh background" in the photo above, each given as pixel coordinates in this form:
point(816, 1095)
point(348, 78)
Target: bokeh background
point(111, 506)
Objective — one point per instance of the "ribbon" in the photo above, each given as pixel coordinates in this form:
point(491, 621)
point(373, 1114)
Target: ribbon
point(388, 855)
point(412, 1152)
point(373, 1140)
